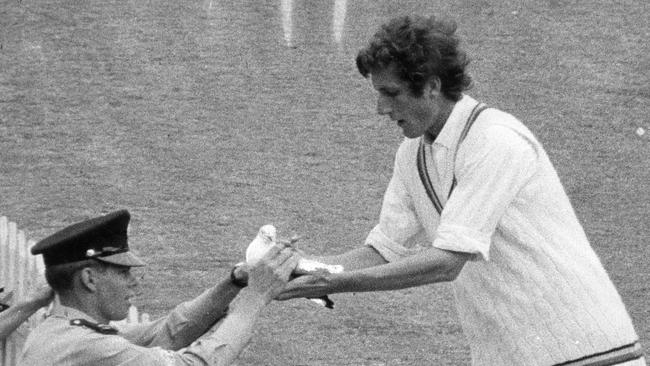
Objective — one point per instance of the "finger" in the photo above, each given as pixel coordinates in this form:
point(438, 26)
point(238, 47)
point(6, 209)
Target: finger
point(287, 267)
point(294, 288)
point(286, 295)
point(287, 255)
point(291, 241)
point(294, 239)
point(284, 242)
point(280, 258)
point(273, 251)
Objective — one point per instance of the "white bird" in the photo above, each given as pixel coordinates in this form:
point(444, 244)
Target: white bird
point(265, 239)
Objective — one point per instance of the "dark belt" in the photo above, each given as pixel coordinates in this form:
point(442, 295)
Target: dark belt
point(612, 357)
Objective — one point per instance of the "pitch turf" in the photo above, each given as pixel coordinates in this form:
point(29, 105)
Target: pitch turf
point(208, 119)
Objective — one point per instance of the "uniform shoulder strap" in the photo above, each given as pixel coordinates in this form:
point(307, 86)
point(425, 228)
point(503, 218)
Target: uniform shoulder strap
point(422, 166)
point(99, 328)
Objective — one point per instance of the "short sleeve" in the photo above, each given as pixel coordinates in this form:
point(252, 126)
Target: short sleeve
point(398, 222)
point(492, 166)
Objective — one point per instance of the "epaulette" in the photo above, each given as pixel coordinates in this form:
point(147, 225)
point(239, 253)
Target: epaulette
point(99, 328)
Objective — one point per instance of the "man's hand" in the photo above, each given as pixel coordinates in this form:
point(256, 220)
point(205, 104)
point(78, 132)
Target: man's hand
point(310, 286)
point(270, 275)
point(42, 295)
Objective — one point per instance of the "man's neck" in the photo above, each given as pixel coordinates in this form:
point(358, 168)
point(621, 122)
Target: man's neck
point(446, 106)
point(86, 306)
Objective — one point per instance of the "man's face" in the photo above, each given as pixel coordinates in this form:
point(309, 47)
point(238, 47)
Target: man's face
point(116, 286)
point(414, 115)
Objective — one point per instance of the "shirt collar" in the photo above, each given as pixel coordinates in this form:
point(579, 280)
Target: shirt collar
point(66, 312)
point(455, 123)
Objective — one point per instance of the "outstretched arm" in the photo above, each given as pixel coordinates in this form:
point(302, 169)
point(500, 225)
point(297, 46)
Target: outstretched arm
point(265, 281)
point(187, 322)
point(362, 257)
point(429, 266)
point(221, 345)
point(18, 313)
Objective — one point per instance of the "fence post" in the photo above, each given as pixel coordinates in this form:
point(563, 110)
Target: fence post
point(19, 274)
point(4, 260)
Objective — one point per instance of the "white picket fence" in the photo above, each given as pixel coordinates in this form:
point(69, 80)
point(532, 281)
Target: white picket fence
point(19, 273)
point(135, 317)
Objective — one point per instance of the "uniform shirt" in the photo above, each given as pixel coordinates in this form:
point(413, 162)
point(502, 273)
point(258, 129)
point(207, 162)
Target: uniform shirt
point(56, 342)
point(535, 293)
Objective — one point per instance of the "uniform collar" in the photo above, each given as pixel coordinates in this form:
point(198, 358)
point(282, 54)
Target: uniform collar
point(455, 123)
point(81, 319)
point(67, 312)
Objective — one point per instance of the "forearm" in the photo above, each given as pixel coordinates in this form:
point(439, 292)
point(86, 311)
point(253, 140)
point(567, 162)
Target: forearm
point(226, 343)
point(213, 304)
point(15, 315)
point(187, 322)
point(203, 312)
point(429, 266)
point(219, 347)
point(362, 257)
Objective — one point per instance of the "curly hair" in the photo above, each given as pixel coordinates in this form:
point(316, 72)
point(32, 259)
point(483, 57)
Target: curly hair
point(420, 48)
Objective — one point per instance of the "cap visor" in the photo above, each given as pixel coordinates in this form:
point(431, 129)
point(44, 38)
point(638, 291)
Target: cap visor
point(126, 259)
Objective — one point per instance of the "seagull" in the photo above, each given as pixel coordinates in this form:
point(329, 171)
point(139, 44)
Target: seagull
point(267, 237)
point(263, 241)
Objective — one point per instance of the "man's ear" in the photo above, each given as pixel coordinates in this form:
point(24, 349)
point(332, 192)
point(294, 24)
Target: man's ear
point(88, 279)
point(433, 86)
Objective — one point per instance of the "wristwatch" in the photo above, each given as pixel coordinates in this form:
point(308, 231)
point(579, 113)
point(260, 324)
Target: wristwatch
point(241, 283)
point(3, 307)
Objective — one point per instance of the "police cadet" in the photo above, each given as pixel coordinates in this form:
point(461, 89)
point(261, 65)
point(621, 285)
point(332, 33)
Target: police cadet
point(88, 265)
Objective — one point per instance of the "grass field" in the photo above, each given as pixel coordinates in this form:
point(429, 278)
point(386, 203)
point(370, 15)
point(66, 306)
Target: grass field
point(207, 119)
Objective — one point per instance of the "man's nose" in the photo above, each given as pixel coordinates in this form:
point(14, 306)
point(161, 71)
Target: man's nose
point(383, 106)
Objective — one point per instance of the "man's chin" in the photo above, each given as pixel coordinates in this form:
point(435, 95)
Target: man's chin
point(123, 314)
point(119, 319)
point(410, 134)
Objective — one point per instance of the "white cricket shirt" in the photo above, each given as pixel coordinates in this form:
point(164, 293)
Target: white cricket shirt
point(536, 293)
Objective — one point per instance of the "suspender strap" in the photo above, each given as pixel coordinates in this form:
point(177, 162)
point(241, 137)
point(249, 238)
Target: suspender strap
point(612, 357)
point(422, 165)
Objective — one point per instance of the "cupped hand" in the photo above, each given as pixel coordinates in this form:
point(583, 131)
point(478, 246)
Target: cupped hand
point(311, 286)
point(270, 275)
